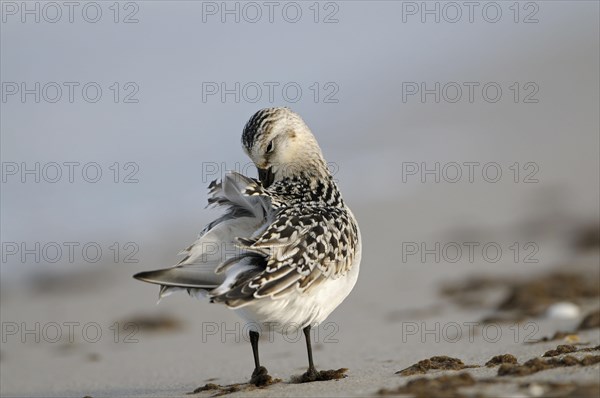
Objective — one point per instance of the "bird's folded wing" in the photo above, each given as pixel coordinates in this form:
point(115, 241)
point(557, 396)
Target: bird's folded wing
point(302, 249)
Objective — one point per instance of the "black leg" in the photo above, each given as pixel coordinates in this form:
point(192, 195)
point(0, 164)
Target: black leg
point(312, 374)
point(260, 376)
point(311, 365)
point(254, 341)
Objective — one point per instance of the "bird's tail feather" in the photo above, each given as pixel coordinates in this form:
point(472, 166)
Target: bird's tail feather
point(182, 276)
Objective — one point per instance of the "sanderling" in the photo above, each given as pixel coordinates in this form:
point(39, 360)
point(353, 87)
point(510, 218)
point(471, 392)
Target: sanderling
point(298, 243)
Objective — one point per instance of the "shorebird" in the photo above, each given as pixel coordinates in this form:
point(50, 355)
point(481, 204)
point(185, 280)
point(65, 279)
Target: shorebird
point(298, 244)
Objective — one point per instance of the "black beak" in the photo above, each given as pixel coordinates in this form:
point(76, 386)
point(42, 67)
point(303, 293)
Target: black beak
point(266, 176)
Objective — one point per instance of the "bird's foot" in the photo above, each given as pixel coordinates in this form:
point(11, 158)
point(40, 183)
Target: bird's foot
point(321, 375)
point(260, 377)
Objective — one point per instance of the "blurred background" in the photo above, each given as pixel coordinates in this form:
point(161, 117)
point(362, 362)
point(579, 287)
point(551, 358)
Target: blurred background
point(464, 137)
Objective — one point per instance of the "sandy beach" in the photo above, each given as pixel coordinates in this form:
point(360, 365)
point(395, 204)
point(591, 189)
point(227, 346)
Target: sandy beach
point(464, 136)
point(385, 326)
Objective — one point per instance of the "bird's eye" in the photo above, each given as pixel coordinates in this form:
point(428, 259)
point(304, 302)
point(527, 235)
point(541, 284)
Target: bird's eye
point(270, 147)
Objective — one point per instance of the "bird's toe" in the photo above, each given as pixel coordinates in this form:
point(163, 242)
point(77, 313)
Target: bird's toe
point(322, 375)
point(260, 377)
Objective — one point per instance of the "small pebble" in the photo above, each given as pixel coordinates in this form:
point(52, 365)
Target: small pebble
point(535, 390)
point(563, 310)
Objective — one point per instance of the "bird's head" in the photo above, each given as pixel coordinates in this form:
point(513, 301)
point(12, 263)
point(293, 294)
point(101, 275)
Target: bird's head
point(282, 146)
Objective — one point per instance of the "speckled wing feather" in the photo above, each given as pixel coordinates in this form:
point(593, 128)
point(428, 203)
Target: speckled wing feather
point(302, 247)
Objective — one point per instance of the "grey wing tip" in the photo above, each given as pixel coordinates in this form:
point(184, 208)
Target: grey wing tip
point(170, 277)
point(148, 276)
